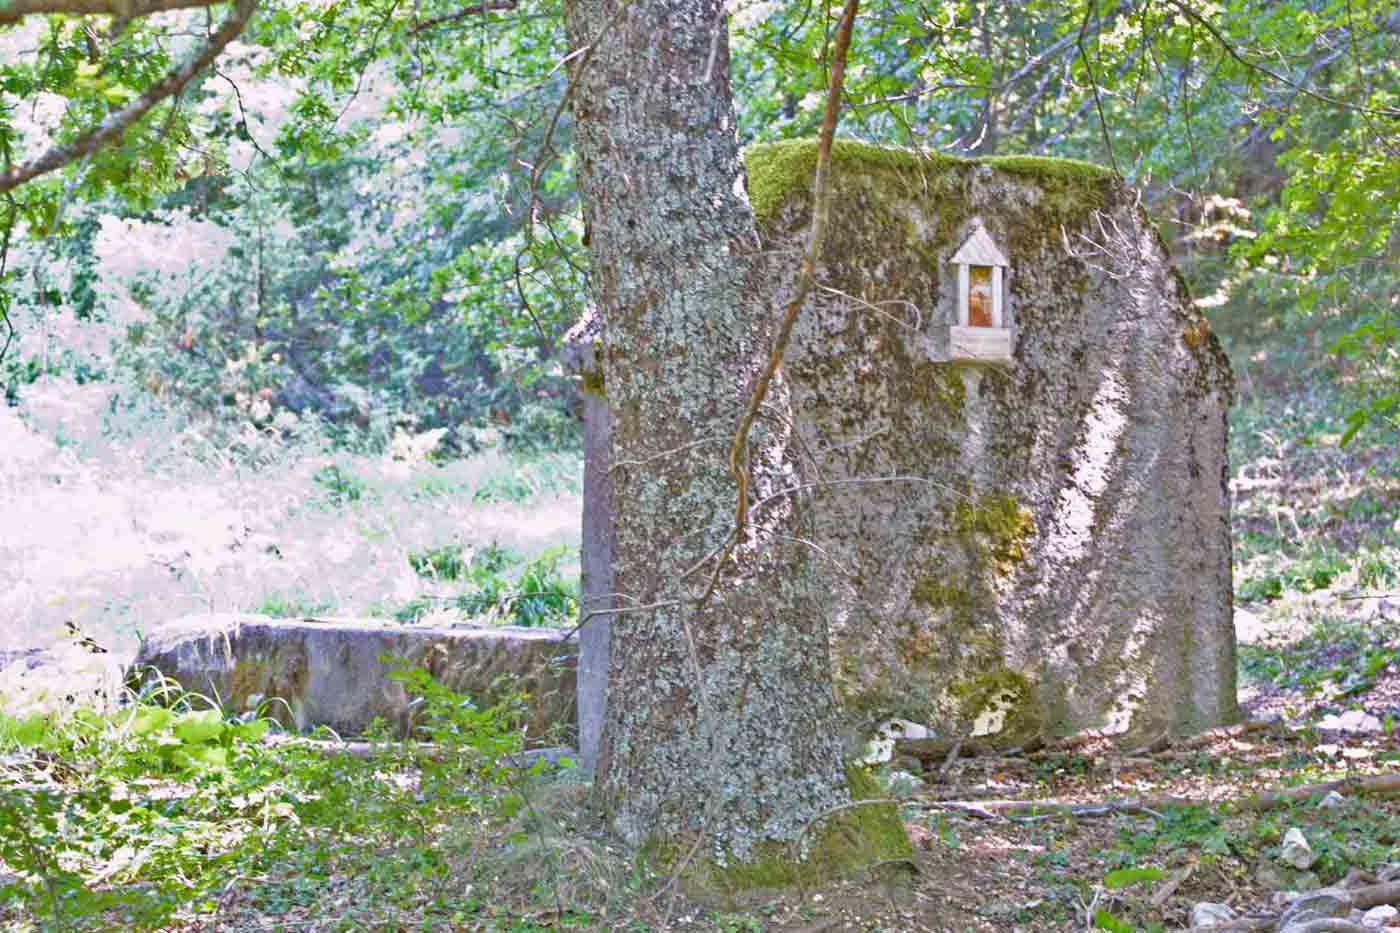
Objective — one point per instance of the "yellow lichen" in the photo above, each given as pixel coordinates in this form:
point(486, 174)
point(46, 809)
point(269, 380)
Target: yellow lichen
point(1196, 334)
point(592, 380)
point(998, 703)
point(1003, 526)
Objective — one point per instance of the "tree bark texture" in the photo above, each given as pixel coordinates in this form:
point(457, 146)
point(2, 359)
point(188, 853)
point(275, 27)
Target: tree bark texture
point(721, 717)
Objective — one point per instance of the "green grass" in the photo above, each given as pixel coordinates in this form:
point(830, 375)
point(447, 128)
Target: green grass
point(147, 519)
point(498, 585)
point(1341, 654)
point(143, 813)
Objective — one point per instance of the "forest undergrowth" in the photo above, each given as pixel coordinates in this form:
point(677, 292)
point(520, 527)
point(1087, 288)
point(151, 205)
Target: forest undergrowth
point(156, 812)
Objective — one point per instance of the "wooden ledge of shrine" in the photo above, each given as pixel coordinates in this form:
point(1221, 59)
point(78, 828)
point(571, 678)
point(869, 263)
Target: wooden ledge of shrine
point(979, 344)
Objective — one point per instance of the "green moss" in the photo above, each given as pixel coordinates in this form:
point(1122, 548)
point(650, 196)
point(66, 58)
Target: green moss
point(1000, 689)
point(776, 170)
point(864, 834)
point(247, 678)
point(933, 593)
point(940, 383)
point(592, 381)
point(1003, 525)
point(1047, 167)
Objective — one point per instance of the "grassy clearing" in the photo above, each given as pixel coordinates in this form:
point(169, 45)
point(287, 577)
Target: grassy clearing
point(120, 517)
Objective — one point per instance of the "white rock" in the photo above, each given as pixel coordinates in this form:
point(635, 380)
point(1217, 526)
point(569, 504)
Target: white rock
point(877, 751)
point(880, 746)
point(1206, 914)
point(1353, 720)
point(903, 783)
point(1332, 801)
point(1296, 851)
point(904, 729)
point(1377, 917)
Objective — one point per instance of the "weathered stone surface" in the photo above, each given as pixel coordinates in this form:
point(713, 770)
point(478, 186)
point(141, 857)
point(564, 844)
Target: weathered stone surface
point(581, 356)
point(1020, 548)
point(1207, 914)
point(330, 672)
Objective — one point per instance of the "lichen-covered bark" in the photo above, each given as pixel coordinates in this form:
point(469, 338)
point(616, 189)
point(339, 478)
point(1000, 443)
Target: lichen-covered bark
point(746, 748)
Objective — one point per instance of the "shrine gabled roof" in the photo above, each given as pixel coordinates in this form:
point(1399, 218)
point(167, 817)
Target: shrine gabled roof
point(979, 250)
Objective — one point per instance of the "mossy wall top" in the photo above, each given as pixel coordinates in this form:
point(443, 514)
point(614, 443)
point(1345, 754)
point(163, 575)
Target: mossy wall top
point(1031, 547)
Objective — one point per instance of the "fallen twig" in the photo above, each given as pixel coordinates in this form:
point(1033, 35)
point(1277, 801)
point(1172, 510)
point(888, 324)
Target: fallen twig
point(431, 750)
point(988, 809)
point(932, 750)
point(1377, 785)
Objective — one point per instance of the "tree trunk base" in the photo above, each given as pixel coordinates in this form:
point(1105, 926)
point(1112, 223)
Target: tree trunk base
point(863, 836)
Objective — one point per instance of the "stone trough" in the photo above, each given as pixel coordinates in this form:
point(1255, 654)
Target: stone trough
point(330, 672)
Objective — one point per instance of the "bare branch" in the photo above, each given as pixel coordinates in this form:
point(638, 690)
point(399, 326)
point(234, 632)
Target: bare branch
point(821, 209)
point(1303, 89)
point(476, 9)
point(16, 10)
point(1094, 86)
point(117, 123)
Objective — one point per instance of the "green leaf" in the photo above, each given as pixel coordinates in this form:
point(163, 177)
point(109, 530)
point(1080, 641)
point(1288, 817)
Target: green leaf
point(1123, 877)
point(118, 93)
point(195, 728)
point(150, 719)
point(1103, 920)
point(249, 731)
point(210, 756)
point(31, 730)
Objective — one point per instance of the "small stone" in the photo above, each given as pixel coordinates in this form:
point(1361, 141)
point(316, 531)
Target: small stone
point(1268, 876)
point(1296, 851)
point(1206, 914)
point(1378, 917)
point(1353, 720)
point(902, 783)
point(904, 729)
point(1319, 905)
point(1307, 881)
point(1332, 801)
point(1388, 871)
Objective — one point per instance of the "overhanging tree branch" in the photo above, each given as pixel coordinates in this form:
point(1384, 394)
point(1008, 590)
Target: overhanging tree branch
point(16, 10)
point(117, 123)
point(476, 9)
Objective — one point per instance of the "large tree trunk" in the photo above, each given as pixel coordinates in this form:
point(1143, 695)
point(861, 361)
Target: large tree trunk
point(722, 720)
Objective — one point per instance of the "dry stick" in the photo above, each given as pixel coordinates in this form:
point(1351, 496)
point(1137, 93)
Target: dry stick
point(585, 55)
point(987, 809)
point(1380, 785)
point(1191, 13)
point(1094, 86)
point(117, 123)
point(821, 210)
point(1363, 898)
point(544, 157)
